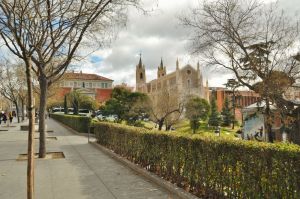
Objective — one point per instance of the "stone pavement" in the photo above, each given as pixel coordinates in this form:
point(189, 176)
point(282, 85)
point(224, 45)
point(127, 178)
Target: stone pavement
point(86, 172)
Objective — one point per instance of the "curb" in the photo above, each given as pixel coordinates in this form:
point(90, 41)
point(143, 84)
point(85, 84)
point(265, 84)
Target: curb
point(173, 189)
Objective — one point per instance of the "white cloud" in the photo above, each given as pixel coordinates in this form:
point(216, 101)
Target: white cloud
point(155, 35)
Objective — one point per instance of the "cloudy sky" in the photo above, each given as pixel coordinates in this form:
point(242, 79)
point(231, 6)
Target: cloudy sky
point(156, 35)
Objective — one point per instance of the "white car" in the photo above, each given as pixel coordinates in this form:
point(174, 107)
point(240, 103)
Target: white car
point(84, 112)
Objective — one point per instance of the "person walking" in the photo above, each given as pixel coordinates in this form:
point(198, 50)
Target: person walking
point(10, 115)
point(1, 115)
point(4, 117)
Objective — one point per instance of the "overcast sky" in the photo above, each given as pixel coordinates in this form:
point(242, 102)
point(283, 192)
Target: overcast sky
point(154, 36)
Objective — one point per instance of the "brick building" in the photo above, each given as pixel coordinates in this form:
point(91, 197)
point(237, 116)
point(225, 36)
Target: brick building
point(242, 99)
point(93, 85)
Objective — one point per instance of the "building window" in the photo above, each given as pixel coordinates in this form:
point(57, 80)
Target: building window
point(90, 85)
point(71, 84)
point(141, 76)
point(75, 84)
point(172, 81)
point(83, 85)
point(188, 72)
point(104, 85)
point(159, 86)
point(94, 85)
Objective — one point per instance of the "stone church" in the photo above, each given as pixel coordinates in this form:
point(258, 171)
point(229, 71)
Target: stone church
point(183, 82)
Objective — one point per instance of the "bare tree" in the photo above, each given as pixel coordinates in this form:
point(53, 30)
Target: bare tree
point(166, 108)
point(45, 35)
point(12, 85)
point(255, 41)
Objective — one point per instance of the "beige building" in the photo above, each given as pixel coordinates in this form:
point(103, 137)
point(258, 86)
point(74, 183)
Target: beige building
point(183, 82)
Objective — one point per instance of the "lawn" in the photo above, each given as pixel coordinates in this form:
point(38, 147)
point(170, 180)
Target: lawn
point(183, 127)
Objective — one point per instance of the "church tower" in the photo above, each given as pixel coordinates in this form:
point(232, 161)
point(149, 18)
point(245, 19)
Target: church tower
point(161, 70)
point(140, 76)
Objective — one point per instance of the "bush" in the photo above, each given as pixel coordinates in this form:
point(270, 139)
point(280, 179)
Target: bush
point(209, 167)
point(78, 123)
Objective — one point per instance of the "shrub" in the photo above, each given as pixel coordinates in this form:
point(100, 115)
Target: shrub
point(213, 167)
point(78, 123)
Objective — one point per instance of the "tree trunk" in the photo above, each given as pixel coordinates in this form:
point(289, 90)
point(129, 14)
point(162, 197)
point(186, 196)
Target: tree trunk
point(17, 110)
point(268, 122)
point(42, 111)
point(30, 150)
point(233, 107)
point(168, 127)
point(160, 124)
point(22, 109)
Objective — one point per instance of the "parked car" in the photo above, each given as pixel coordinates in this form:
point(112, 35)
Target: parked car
point(59, 110)
point(84, 112)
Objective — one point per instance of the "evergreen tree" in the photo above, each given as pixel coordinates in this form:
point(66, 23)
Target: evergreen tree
point(214, 117)
point(65, 105)
point(196, 109)
point(226, 113)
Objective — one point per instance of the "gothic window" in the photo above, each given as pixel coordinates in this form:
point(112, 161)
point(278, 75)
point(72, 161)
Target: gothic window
point(172, 81)
point(188, 72)
point(141, 76)
point(189, 83)
point(158, 86)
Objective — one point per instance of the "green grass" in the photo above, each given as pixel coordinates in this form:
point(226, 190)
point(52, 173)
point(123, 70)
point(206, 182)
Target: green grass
point(183, 127)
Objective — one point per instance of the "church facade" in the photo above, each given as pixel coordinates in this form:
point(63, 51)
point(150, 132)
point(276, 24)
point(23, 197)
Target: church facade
point(183, 82)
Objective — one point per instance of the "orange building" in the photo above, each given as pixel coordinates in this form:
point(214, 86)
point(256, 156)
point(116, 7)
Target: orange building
point(92, 85)
point(242, 99)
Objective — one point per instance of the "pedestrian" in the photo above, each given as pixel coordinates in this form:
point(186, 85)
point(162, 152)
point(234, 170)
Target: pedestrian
point(10, 115)
point(4, 118)
point(1, 115)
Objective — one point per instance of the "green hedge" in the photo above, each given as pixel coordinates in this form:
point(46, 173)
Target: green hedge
point(78, 123)
point(209, 167)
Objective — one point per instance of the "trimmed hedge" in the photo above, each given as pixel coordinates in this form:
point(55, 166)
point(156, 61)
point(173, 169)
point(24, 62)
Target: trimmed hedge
point(78, 123)
point(207, 167)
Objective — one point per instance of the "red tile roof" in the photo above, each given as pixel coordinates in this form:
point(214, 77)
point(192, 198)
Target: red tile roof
point(85, 76)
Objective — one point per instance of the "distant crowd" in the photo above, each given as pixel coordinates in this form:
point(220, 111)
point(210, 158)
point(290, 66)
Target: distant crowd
point(4, 116)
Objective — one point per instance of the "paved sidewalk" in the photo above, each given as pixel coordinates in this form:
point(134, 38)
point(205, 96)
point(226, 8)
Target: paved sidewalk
point(85, 172)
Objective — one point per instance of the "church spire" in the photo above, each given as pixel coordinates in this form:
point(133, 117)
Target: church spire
point(198, 66)
point(161, 64)
point(140, 65)
point(177, 64)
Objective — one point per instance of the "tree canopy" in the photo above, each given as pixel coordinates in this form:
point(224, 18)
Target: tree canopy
point(196, 109)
